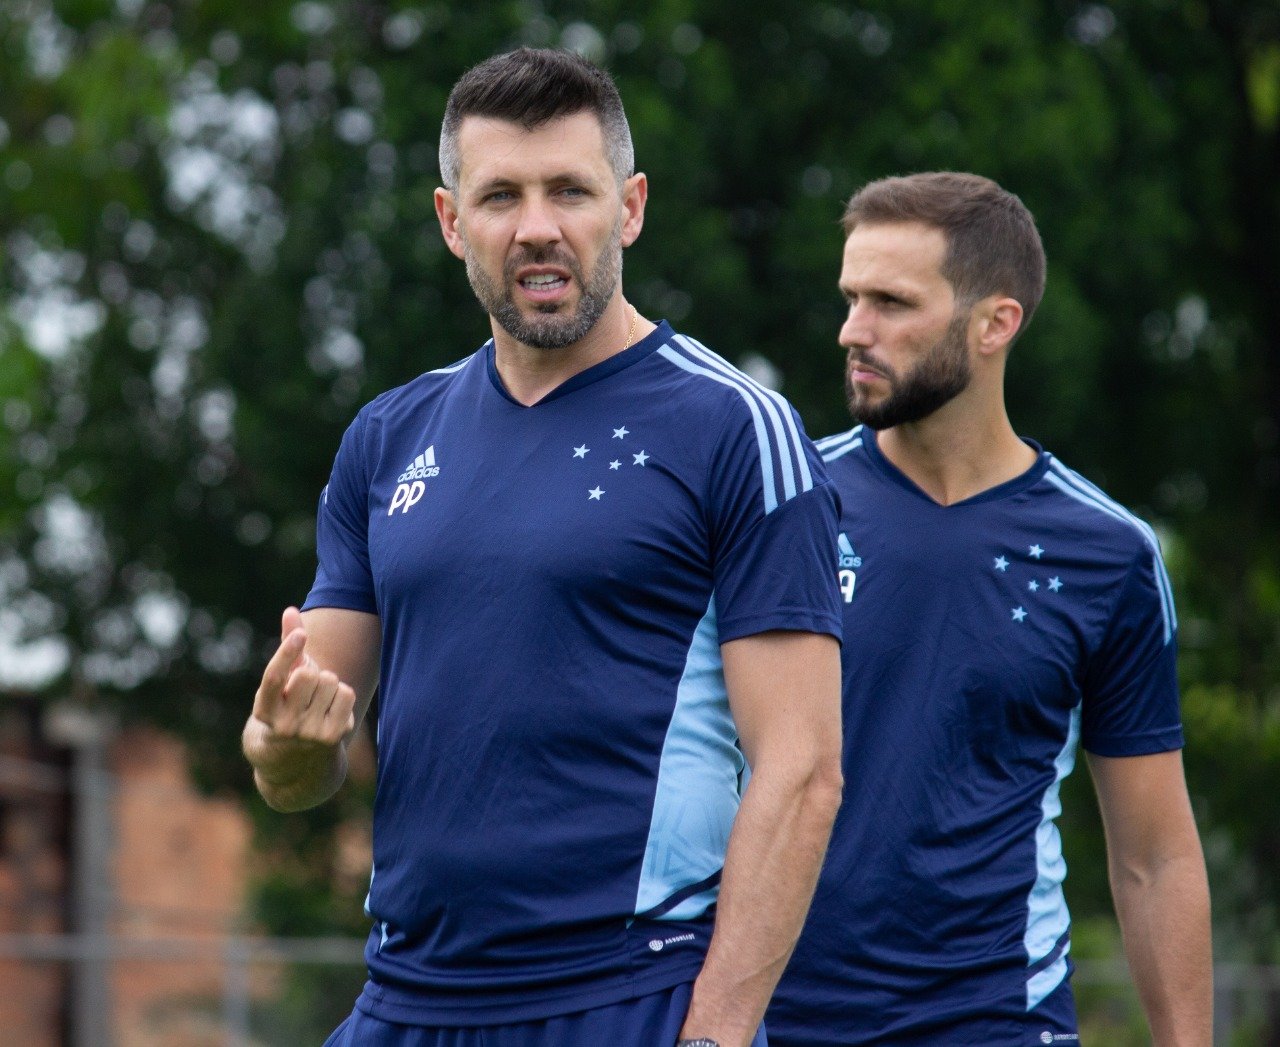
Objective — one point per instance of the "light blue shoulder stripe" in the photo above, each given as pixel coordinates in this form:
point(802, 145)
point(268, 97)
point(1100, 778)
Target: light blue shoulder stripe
point(1143, 527)
point(762, 435)
point(1047, 917)
point(837, 438)
point(840, 450)
point(769, 395)
point(777, 408)
point(1075, 486)
point(461, 363)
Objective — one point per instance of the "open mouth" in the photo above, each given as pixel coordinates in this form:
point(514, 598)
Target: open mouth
point(544, 284)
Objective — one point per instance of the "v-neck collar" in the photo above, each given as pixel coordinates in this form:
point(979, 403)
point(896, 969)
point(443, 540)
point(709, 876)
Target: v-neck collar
point(658, 337)
point(1002, 490)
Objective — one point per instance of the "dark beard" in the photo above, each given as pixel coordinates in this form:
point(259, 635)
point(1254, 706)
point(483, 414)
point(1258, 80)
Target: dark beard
point(940, 376)
point(552, 330)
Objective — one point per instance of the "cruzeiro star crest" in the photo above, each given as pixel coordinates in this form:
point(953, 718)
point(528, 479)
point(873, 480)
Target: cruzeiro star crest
point(1028, 578)
point(613, 462)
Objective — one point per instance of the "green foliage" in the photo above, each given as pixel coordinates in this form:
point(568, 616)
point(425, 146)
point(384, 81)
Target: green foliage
point(218, 240)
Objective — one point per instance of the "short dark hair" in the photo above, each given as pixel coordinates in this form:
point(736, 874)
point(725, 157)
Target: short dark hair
point(529, 87)
point(992, 243)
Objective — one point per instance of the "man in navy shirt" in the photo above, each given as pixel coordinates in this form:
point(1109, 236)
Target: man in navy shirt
point(588, 569)
point(998, 610)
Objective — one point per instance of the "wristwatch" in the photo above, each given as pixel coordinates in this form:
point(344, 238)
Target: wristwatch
point(701, 1041)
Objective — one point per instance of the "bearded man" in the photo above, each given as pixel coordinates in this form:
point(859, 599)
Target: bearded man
point(588, 569)
point(999, 609)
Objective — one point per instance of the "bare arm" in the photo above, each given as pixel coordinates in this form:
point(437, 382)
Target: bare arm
point(1161, 892)
point(314, 693)
point(784, 689)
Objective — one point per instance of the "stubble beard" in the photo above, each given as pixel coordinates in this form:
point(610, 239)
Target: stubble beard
point(937, 379)
point(553, 328)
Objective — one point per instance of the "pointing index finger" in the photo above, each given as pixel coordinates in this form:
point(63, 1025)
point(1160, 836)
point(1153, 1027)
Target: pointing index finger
point(276, 673)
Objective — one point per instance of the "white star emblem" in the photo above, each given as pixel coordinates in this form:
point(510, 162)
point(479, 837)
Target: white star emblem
point(1055, 584)
point(594, 494)
point(640, 458)
point(615, 464)
point(1019, 614)
point(618, 434)
point(1036, 551)
point(1034, 586)
point(1002, 564)
point(581, 452)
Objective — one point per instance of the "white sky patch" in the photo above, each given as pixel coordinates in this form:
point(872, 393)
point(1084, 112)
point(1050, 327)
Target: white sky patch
point(229, 652)
point(30, 656)
point(214, 413)
point(71, 540)
point(30, 665)
point(313, 18)
point(586, 40)
point(49, 45)
point(53, 317)
point(220, 151)
point(762, 370)
point(161, 616)
point(180, 332)
point(402, 29)
point(338, 349)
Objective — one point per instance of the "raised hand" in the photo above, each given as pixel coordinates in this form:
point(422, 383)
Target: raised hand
point(299, 700)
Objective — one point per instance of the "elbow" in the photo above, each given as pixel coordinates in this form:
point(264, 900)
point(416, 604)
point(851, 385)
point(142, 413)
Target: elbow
point(826, 787)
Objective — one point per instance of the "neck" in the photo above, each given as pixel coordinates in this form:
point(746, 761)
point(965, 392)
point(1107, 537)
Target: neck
point(958, 452)
point(529, 374)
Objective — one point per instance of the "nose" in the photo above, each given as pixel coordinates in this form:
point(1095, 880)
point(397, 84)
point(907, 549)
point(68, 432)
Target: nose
point(856, 329)
point(538, 224)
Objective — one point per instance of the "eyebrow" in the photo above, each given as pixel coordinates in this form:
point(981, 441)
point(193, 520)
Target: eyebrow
point(559, 178)
point(883, 291)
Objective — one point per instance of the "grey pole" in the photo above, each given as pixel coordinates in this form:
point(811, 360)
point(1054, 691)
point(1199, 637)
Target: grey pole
point(87, 732)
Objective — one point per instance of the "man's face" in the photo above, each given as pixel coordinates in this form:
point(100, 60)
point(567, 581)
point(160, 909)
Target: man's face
point(907, 342)
point(540, 221)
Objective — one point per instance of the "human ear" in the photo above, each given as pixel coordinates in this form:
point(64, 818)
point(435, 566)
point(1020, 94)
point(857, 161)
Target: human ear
point(447, 213)
point(635, 192)
point(999, 321)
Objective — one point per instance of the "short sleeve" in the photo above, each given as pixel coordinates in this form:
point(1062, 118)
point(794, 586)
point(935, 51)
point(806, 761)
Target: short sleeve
point(343, 577)
point(773, 527)
point(1131, 686)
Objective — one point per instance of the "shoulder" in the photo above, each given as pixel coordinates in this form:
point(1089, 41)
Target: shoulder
point(430, 384)
point(710, 379)
point(1105, 521)
point(710, 385)
point(749, 422)
point(837, 446)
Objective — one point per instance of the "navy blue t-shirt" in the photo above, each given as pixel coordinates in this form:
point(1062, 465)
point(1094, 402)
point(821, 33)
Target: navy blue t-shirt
point(983, 641)
point(558, 769)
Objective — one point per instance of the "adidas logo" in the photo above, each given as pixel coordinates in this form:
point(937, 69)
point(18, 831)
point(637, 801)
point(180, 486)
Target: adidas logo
point(409, 486)
point(421, 468)
point(848, 558)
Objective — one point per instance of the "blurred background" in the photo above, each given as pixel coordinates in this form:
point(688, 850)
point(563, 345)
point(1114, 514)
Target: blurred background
point(217, 242)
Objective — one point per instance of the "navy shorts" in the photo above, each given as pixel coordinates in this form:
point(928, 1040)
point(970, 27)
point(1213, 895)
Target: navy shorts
point(649, 1021)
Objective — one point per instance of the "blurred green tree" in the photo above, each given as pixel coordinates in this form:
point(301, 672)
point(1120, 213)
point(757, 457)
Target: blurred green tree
point(218, 241)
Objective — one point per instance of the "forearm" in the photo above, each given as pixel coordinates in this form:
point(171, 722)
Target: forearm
point(292, 774)
point(1164, 918)
point(775, 853)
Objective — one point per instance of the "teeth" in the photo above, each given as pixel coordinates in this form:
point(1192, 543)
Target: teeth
point(545, 280)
